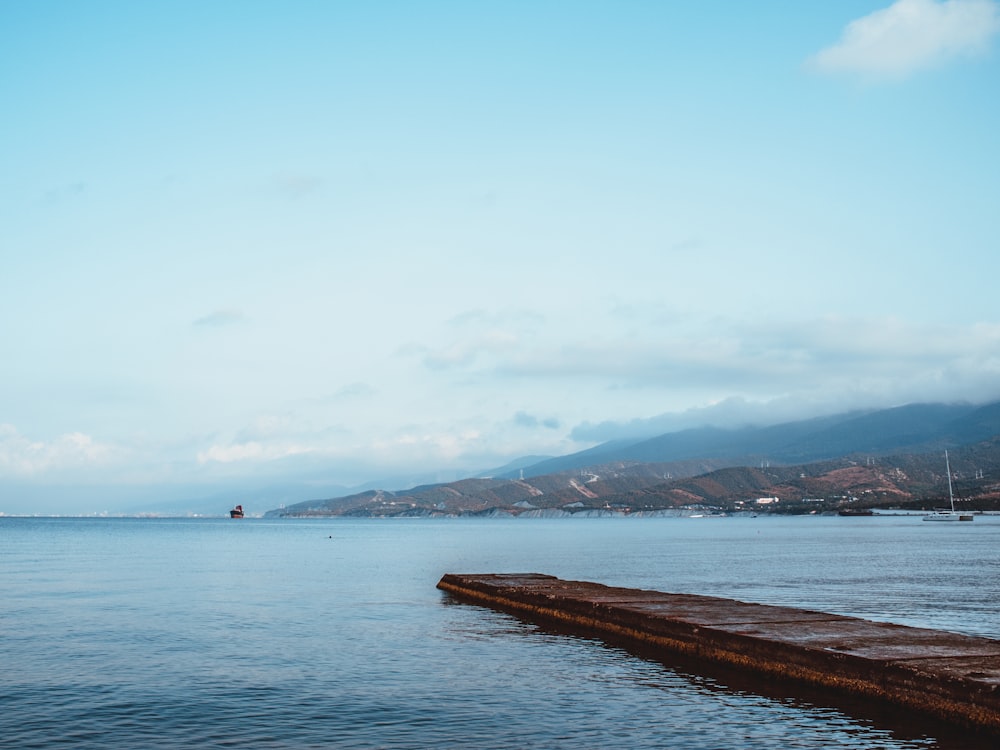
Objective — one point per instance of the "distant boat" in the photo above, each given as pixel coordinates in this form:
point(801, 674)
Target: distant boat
point(236, 512)
point(855, 512)
point(948, 515)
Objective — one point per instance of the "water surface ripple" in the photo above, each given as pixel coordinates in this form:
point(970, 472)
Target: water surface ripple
point(156, 633)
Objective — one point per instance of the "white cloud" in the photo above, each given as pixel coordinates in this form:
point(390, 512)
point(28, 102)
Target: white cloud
point(248, 451)
point(22, 456)
point(912, 35)
point(428, 443)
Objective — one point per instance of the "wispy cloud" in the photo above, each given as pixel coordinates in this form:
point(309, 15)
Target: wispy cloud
point(296, 184)
point(911, 35)
point(466, 352)
point(219, 318)
point(267, 426)
point(63, 193)
point(531, 422)
point(480, 317)
point(353, 391)
point(480, 338)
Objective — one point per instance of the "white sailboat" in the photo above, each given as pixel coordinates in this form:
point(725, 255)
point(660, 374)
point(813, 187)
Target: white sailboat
point(948, 515)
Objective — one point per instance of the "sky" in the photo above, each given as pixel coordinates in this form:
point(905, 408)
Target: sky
point(317, 244)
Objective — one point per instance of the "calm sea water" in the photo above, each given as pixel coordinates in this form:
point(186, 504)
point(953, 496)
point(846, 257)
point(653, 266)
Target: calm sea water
point(128, 633)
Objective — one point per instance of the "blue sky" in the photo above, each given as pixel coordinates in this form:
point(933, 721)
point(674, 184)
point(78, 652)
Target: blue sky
point(249, 242)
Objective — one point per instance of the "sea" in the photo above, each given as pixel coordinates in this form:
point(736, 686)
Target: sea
point(331, 633)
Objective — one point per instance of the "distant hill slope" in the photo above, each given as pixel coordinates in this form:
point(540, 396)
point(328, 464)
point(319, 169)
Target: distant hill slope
point(909, 480)
point(892, 456)
point(470, 496)
point(916, 481)
point(912, 428)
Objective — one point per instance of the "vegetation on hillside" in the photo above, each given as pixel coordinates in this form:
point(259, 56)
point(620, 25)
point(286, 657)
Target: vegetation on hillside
point(907, 481)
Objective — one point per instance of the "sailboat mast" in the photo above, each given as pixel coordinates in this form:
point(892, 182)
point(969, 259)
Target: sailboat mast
point(947, 466)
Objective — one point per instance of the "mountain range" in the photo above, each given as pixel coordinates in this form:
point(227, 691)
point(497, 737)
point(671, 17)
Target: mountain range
point(865, 458)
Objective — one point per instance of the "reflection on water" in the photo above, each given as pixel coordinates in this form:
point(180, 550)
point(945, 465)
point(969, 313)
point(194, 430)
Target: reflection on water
point(128, 633)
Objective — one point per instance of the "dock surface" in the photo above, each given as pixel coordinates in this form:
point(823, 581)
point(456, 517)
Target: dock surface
point(952, 677)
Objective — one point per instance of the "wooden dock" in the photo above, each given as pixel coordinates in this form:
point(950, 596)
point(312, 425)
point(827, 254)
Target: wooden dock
point(951, 677)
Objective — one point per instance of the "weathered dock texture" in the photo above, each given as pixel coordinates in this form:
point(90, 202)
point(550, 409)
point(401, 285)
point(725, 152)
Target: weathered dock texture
point(952, 677)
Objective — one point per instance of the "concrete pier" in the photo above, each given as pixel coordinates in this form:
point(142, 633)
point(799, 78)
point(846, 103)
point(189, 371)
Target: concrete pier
point(951, 677)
